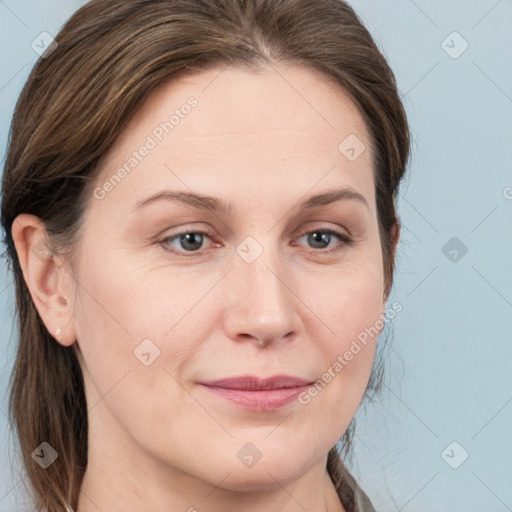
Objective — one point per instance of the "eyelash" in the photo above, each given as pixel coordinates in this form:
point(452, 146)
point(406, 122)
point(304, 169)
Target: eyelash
point(344, 239)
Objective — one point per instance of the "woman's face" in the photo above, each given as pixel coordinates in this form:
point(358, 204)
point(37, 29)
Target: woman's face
point(257, 288)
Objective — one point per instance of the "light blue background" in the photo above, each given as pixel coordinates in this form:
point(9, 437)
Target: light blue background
point(449, 370)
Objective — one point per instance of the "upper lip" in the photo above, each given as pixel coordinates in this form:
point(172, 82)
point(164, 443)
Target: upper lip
point(253, 383)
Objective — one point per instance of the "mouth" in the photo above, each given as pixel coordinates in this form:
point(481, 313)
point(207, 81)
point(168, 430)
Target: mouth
point(258, 394)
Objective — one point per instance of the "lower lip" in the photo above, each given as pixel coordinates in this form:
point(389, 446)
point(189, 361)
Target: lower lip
point(267, 400)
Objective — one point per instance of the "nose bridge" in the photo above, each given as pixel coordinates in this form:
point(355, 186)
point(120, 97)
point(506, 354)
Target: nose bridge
point(262, 273)
point(263, 305)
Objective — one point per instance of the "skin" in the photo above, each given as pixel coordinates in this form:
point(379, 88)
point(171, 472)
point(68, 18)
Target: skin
point(158, 440)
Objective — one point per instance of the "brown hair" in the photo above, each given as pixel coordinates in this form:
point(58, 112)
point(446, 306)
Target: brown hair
point(78, 99)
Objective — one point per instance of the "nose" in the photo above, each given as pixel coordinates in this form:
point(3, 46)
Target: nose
point(262, 306)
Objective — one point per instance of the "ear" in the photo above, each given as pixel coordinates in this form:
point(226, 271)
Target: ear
point(395, 237)
point(49, 283)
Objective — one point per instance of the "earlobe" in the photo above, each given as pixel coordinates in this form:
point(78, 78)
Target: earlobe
point(395, 236)
point(44, 278)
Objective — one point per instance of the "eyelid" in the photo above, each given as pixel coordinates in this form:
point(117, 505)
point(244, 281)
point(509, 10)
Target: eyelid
point(316, 227)
point(345, 240)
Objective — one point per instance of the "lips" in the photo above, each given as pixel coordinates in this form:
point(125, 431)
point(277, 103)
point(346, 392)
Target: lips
point(251, 383)
point(254, 393)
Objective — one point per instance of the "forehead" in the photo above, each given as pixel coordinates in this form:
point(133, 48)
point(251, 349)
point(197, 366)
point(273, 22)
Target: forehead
point(274, 127)
point(241, 101)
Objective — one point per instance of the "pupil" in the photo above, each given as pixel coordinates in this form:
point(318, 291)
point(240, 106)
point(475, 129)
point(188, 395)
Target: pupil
point(193, 238)
point(320, 237)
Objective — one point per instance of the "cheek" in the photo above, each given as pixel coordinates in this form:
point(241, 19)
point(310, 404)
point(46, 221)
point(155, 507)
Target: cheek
point(130, 314)
point(350, 299)
point(351, 306)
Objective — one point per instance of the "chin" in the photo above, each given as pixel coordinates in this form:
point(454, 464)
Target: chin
point(265, 475)
point(241, 481)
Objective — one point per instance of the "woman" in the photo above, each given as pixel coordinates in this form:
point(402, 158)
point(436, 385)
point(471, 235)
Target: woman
point(156, 375)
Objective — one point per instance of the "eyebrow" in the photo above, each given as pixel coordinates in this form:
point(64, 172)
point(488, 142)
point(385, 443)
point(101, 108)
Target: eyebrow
point(216, 205)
